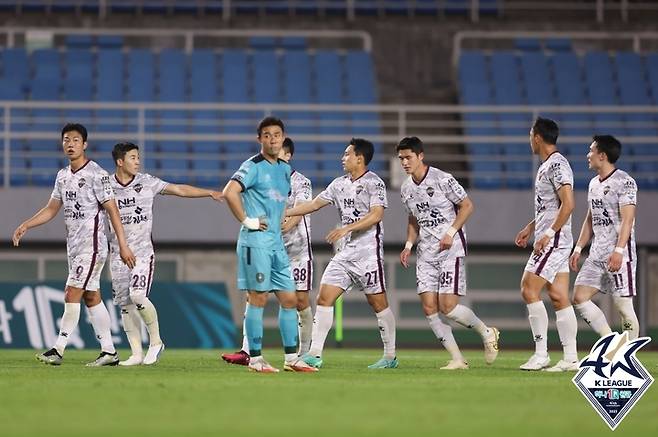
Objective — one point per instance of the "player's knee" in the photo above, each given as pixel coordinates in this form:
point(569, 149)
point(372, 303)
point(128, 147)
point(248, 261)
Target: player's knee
point(578, 298)
point(138, 299)
point(430, 308)
point(446, 307)
point(91, 299)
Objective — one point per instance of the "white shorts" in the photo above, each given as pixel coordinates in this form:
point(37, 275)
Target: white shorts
point(549, 263)
point(364, 274)
point(135, 282)
point(595, 274)
point(85, 271)
point(445, 276)
point(302, 273)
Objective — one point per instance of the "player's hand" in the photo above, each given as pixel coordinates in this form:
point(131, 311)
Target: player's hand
point(446, 242)
point(18, 234)
point(614, 262)
point(541, 244)
point(573, 261)
point(404, 257)
point(286, 225)
point(336, 235)
point(217, 196)
point(255, 224)
point(521, 239)
point(127, 256)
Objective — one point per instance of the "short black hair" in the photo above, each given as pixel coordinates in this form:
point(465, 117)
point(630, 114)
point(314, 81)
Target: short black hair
point(289, 145)
point(77, 127)
point(363, 148)
point(411, 143)
point(547, 129)
point(270, 121)
point(609, 145)
point(120, 149)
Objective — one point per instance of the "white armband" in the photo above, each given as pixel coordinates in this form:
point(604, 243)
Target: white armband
point(251, 223)
point(550, 233)
point(619, 250)
point(577, 249)
point(408, 245)
point(451, 232)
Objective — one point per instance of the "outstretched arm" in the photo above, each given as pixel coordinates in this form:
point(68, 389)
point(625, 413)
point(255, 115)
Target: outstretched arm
point(307, 208)
point(44, 215)
point(181, 190)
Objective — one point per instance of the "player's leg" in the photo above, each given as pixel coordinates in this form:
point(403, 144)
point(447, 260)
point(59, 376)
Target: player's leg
point(69, 321)
point(531, 286)
point(452, 285)
point(624, 290)
point(335, 280)
point(303, 281)
point(592, 278)
point(565, 321)
point(130, 318)
point(254, 330)
point(101, 322)
point(427, 280)
point(241, 356)
point(386, 324)
point(141, 278)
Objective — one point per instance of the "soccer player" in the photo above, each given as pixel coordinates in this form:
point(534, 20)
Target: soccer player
point(84, 189)
point(134, 193)
point(438, 207)
point(297, 240)
point(360, 197)
point(257, 195)
point(548, 265)
point(610, 266)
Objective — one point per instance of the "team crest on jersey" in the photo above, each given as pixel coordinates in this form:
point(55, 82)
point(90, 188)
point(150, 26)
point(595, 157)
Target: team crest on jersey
point(430, 191)
point(611, 377)
point(81, 182)
point(138, 187)
point(606, 190)
point(359, 189)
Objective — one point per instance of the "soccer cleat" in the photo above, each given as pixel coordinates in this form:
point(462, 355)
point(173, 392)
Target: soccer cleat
point(153, 354)
point(564, 366)
point(536, 362)
point(132, 361)
point(312, 360)
point(491, 346)
point(51, 357)
point(261, 366)
point(105, 359)
point(385, 363)
point(456, 365)
point(298, 365)
point(240, 357)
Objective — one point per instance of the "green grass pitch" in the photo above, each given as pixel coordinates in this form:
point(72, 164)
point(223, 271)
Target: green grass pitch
point(191, 393)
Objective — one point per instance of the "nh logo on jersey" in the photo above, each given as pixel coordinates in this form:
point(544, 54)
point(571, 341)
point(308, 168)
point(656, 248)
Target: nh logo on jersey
point(612, 378)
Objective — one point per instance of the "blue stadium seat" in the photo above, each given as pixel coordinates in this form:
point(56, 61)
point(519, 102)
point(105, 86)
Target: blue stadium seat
point(265, 76)
point(109, 41)
point(558, 44)
point(329, 85)
point(527, 44)
point(203, 88)
point(141, 76)
point(79, 41)
point(538, 82)
point(46, 85)
point(110, 88)
point(172, 87)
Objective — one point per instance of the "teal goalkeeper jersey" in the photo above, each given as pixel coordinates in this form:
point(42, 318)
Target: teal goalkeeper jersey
point(265, 189)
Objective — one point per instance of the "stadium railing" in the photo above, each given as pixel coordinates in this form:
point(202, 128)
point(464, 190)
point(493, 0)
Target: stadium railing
point(442, 127)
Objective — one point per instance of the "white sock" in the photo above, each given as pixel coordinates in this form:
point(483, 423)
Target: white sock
point(444, 333)
point(386, 323)
point(305, 329)
point(69, 322)
point(100, 320)
point(132, 325)
point(538, 318)
point(629, 321)
point(324, 318)
point(594, 317)
point(467, 318)
point(150, 317)
point(567, 329)
point(245, 341)
point(290, 358)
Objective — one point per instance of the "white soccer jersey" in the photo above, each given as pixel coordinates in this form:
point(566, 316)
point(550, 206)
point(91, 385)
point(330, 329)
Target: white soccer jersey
point(354, 199)
point(433, 202)
point(82, 192)
point(135, 202)
point(298, 240)
point(606, 197)
point(552, 174)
